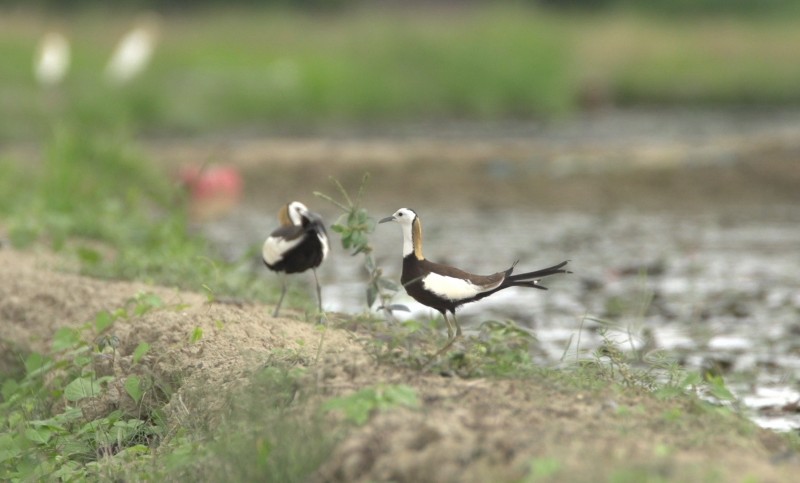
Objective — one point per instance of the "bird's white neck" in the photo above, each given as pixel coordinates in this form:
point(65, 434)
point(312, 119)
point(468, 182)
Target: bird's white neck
point(412, 239)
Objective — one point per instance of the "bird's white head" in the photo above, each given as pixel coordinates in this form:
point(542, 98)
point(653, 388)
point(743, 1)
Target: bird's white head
point(293, 213)
point(412, 231)
point(404, 216)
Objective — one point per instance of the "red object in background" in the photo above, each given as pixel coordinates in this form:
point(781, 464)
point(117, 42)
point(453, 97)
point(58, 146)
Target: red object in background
point(213, 190)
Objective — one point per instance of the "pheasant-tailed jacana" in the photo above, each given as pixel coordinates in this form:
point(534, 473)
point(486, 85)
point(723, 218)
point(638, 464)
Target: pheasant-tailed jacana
point(444, 288)
point(300, 243)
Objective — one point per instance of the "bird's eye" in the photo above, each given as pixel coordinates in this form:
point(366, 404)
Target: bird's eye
point(399, 214)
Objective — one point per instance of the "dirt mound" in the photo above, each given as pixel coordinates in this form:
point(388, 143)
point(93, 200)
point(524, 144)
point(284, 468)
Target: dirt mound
point(464, 430)
point(194, 343)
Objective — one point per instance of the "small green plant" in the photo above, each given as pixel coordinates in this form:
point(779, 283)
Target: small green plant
point(354, 226)
point(543, 469)
point(273, 430)
point(54, 421)
point(358, 407)
point(502, 348)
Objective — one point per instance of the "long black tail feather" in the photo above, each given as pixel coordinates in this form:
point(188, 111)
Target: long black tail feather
point(530, 279)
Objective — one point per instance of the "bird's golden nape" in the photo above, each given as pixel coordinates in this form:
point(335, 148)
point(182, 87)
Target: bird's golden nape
point(445, 288)
point(300, 243)
point(416, 238)
point(283, 215)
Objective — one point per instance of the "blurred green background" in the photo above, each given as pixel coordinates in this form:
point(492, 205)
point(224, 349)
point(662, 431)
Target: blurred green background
point(71, 154)
point(296, 66)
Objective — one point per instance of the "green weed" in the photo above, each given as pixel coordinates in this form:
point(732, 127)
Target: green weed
point(99, 200)
point(54, 418)
point(272, 431)
point(359, 406)
point(354, 227)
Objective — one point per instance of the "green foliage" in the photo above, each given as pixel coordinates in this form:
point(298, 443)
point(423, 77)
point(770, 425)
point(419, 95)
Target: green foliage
point(354, 227)
point(369, 65)
point(96, 197)
point(272, 431)
point(82, 387)
point(502, 349)
point(52, 420)
point(133, 386)
point(487, 61)
point(718, 389)
point(358, 407)
point(543, 469)
point(140, 351)
point(196, 335)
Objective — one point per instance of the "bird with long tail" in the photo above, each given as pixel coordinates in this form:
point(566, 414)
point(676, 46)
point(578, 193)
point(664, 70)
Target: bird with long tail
point(445, 288)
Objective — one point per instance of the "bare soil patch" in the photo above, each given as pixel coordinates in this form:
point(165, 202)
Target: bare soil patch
point(465, 429)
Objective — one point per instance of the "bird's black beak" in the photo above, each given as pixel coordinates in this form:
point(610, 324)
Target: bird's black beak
point(388, 218)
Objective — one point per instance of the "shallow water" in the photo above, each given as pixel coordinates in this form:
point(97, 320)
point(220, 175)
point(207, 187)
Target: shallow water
point(712, 290)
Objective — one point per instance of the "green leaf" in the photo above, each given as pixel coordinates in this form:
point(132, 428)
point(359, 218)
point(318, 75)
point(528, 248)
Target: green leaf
point(82, 360)
point(89, 256)
point(9, 448)
point(38, 435)
point(133, 387)
point(196, 335)
point(9, 387)
point(389, 284)
point(80, 388)
point(102, 321)
point(718, 389)
point(140, 351)
point(147, 302)
point(347, 240)
point(34, 361)
point(358, 406)
point(400, 394)
point(691, 379)
point(372, 294)
point(66, 338)
point(543, 468)
point(74, 446)
point(369, 264)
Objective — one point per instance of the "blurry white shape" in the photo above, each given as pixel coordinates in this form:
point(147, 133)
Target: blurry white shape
point(52, 59)
point(134, 51)
point(731, 343)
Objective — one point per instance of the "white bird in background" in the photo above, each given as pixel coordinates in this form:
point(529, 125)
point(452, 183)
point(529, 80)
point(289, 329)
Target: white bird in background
point(134, 51)
point(52, 59)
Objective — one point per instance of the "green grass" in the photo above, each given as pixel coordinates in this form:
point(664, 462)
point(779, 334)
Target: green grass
point(227, 69)
point(95, 198)
point(51, 410)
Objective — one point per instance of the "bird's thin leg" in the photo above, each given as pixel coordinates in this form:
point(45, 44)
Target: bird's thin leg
point(283, 294)
point(449, 326)
point(319, 296)
point(458, 327)
point(450, 339)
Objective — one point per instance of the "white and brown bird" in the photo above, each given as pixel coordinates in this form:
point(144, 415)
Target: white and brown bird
point(445, 288)
point(299, 244)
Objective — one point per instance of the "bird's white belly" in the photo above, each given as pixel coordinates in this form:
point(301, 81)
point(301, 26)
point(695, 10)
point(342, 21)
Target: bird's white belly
point(450, 287)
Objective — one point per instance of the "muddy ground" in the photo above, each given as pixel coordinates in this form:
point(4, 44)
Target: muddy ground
point(466, 429)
